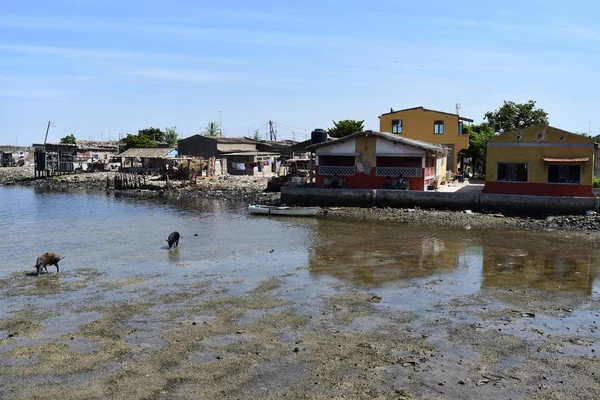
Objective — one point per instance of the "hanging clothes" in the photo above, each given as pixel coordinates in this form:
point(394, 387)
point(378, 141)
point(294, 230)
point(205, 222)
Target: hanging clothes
point(242, 166)
point(260, 166)
point(252, 165)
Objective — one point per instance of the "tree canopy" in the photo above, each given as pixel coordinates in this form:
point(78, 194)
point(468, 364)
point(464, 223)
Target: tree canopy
point(212, 129)
point(345, 127)
point(479, 135)
point(69, 139)
point(151, 137)
point(512, 116)
point(171, 136)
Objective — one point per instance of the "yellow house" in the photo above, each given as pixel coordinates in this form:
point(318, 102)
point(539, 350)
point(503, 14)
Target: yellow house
point(540, 160)
point(429, 126)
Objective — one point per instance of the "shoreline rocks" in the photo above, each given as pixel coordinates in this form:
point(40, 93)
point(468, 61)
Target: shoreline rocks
point(249, 189)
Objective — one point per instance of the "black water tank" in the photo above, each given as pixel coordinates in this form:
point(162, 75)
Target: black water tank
point(318, 136)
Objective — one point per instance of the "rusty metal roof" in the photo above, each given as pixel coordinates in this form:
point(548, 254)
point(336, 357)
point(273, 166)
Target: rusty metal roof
point(566, 160)
point(154, 152)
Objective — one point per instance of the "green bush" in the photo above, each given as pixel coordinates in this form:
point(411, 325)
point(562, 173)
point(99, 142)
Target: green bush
point(596, 183)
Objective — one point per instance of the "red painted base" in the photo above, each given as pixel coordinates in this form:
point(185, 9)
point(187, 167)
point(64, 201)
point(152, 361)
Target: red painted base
point(362, 181)
point(538, 189)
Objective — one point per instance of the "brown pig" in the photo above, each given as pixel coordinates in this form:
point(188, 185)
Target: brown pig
point(47, 259)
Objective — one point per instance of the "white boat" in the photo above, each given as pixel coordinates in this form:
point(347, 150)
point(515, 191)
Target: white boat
point(283, 210)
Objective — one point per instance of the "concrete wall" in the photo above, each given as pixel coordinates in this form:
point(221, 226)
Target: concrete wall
point(530, 205)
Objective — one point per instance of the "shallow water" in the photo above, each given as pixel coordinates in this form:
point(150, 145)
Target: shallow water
point(124, 236)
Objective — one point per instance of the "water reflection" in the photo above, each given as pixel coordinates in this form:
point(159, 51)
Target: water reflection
point(373, 254)
point(93, 229)
point(174, 255)
point(547, 268)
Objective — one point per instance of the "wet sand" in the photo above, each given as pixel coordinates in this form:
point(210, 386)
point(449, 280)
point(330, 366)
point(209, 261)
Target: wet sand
point(81, 335)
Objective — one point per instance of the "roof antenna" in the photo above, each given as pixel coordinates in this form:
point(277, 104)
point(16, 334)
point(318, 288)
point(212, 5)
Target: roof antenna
point(457, 108)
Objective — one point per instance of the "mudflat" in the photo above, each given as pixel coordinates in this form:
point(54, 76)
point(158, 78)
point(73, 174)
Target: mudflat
point(81, 334)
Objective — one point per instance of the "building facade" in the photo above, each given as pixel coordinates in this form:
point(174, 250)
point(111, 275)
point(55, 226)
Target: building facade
point(207, 147)
point(540, 160)
point(365, 159)
point(430, 126)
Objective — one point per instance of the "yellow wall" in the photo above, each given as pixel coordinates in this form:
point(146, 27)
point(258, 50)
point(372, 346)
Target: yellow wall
point(418, 124)
point(366, 147)
point(529, 150)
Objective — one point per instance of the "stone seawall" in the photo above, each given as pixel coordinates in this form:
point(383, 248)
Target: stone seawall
point(435, 200)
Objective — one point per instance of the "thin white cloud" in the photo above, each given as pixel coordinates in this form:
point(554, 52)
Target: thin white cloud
point(113, 54)
point(181, 75)
point(32, 94)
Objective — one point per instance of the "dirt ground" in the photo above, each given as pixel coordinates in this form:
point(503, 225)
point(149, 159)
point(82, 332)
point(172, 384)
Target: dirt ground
point(82, 335)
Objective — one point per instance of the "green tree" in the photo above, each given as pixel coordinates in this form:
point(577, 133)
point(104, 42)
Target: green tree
point(171, 136)
point(479, 135)
point(69, 139)
point(512, 116)
point(212, 129)
point(138, 141)
point(345, 127)
point(154, 134)
point(256, 135)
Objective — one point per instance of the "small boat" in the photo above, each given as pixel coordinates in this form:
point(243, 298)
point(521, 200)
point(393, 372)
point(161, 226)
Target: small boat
point(283, 210)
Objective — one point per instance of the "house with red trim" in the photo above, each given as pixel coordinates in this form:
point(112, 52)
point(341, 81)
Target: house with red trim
point(540, 160)
point(364, 160)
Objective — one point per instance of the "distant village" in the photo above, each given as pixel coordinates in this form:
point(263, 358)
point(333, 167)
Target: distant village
point(415, 149)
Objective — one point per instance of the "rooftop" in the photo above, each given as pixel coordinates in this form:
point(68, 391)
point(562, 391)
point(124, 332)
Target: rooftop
point(436, 148)
point(153, 152)
point(429, 110)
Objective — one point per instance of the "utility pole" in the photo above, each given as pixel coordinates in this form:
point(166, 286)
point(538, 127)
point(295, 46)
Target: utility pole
point(220, 123)
point(590, 128)
point(46, 138)
point(272, 131)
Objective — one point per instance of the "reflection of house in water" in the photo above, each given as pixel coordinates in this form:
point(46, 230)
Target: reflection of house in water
point(542, 268)
point(378, 254)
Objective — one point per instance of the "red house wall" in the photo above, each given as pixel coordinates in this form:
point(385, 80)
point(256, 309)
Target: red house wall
point(362, 181)
point(538, 189)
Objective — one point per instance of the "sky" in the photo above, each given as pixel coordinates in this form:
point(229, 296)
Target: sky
point(99, 68)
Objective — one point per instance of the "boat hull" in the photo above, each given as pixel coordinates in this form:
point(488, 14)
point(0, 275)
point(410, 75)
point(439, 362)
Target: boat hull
point(286, 211)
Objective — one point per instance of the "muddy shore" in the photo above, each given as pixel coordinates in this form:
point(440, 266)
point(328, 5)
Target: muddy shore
point(298, 330)
point(200, 340)
point(236, 189)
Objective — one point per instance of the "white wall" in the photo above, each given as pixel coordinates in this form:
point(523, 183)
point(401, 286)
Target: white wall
point(347, 147)
point(386, 147)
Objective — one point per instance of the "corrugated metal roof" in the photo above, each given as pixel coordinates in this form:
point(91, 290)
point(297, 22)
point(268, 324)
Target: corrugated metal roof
point(251, 153)
point(153, 152)
point(436, 148)
point(566, 160)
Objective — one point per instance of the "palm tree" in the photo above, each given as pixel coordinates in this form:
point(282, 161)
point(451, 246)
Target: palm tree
point(212, 129)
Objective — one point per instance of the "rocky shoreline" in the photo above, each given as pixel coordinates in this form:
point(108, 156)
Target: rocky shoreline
point(239, 189)
point(467, 220)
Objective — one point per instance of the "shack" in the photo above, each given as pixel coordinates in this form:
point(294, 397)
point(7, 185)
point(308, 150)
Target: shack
point(54, 158)
point(147, 160)
point(95, 156)
point(253, 163)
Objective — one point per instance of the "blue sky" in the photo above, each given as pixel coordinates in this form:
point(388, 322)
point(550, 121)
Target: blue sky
point(99, 67)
